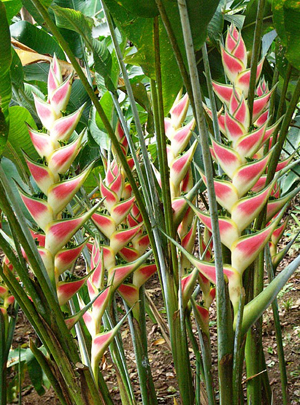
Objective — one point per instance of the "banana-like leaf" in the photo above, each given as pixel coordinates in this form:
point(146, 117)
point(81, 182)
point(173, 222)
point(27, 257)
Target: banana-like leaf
point(255, 308)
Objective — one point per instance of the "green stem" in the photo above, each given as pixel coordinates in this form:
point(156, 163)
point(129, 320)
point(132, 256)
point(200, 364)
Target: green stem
point(45, 336)
point(18, 223)
point(280, 351)
point(205, 346)
point(118, 356)
point(177, 52)
point(255, 54)
point(47, 370)
point(139, 340)
point(225, 338)
point(49, 297)
point(147, 186)
point(211, 93)
point(22, 272)
point(267, 394)
point(199, 364)
point(273, 96)
point(283, 93)
point(253, 367)
point(238, 355)
point(162, 153)
point(254, 340)
point(3, 361)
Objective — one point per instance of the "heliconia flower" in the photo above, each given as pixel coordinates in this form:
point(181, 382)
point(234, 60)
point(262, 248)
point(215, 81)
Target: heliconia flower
point(234, 129)
point(118, 274)
point(227, 157)
point(66, 257)
point(143, 273)
point(247, 209)
point(202, 317)
point(39, 237)
point(45, 112)
point(42, 142)
point(229, 231)
point(247, 248)
point(130, 294)
point(223, 91)
point(39, 209)
point(243, 80)
point(247, 175)
point(100, 343)
point(120, 239)
point(278, 232)
point(250, 143)
point(41, 174)
point(241, 174)
point(262, 87)
point(179, 110)
point(238, 108)
point(60, 194)
point(54, 81)
point(105, 224)
point(261, 103)
point(61, 160)
point(73, 319)
point(63, 127)
point(226, 193)
point(180, 166)
point(58, 233)
point(66, 289)
point(120, 211)
point(208, 270)
point(281, 165)
point(202, 311)
point(232, 65)
point(181, 137)
point(128, 254)
point(100, 303)
point(275, 206)
point(59, 98)
point(188, 241)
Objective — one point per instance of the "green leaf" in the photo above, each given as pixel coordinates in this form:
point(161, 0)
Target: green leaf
point(215, 27)
point(99, 136)
point(16, 70)
point(36, 38)
point(13, 175)
point(140, 32)
point(287, 21)
point(255, 308)
point(32, 10)
point(140, 8)
point(5, 81)
point(12, 8)
point(250, 21)
point(35, 372)
point(18, 138)
point(76, 21)
point(107, 105)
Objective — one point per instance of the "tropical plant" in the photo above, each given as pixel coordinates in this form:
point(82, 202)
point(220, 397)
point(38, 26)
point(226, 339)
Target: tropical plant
point(157, 169)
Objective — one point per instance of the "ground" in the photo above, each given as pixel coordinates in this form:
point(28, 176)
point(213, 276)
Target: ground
point(161, 358)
